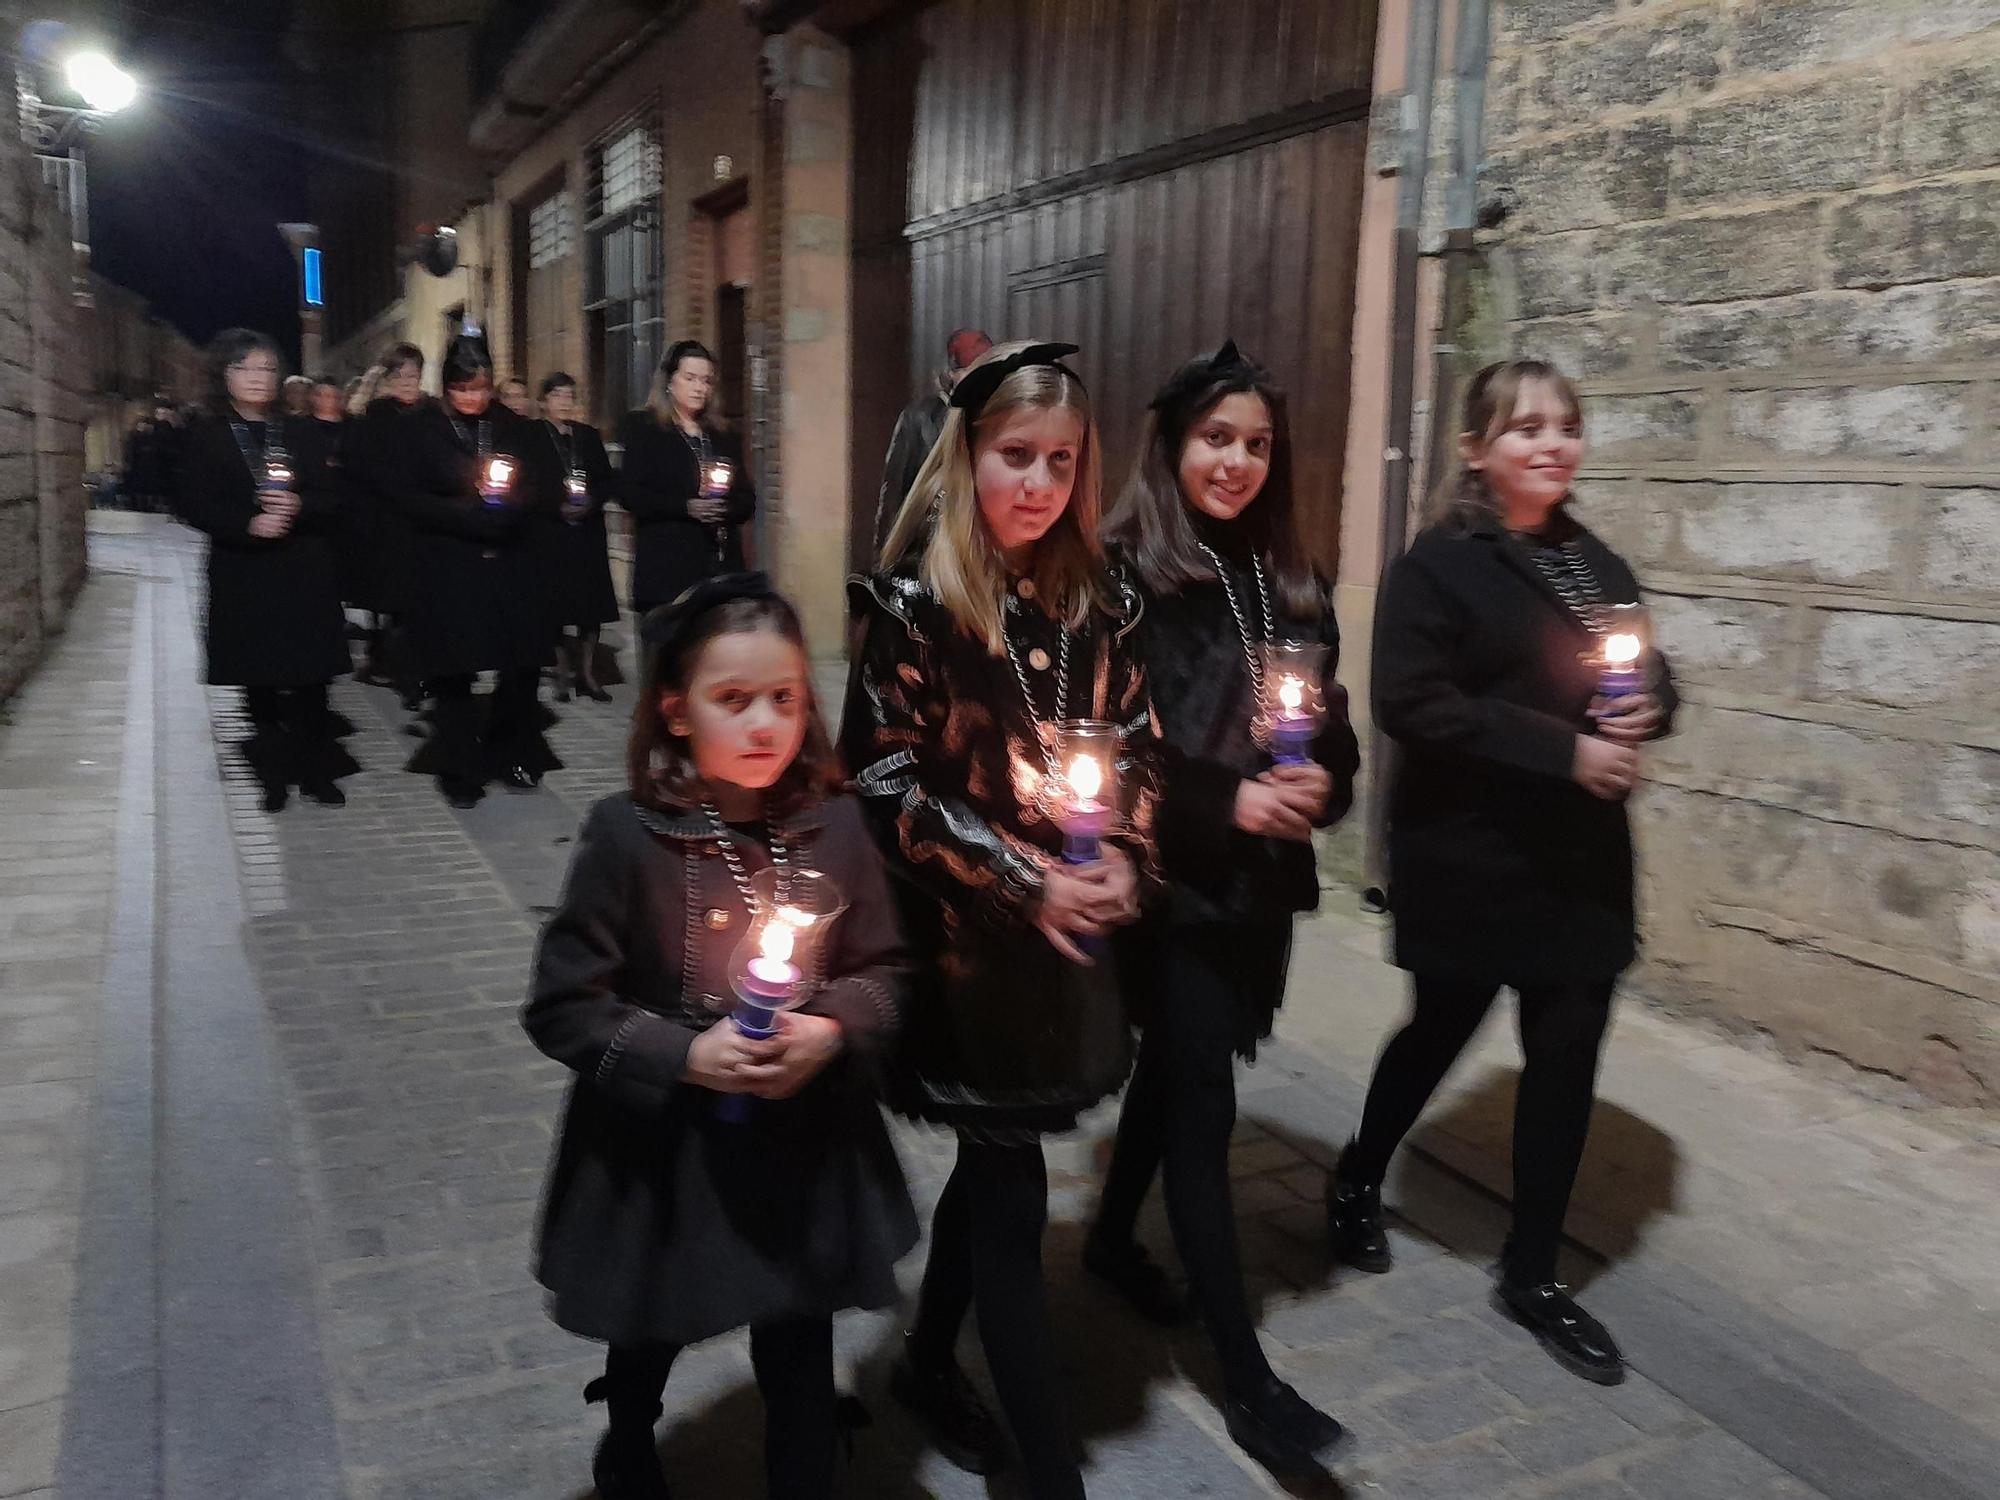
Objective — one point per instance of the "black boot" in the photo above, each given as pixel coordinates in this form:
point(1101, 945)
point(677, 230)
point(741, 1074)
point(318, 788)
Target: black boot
point(1134, 1275)
point(627, 1465)
point(1574, 1339)
point(950, 1412)
point(1282, 1430)
point(1354, 1223)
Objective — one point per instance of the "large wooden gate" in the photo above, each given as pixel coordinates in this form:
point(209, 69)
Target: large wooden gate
point(1140, 177)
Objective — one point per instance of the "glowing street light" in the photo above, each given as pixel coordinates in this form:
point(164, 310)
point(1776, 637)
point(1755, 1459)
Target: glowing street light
point(103, 86)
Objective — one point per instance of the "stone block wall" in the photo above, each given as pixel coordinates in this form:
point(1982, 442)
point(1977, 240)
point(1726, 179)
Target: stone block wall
point(43, 376)
point(1763, 233)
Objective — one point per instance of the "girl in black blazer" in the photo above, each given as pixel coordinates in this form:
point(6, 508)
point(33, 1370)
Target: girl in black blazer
point(1205, 531)
point(1510, 854)
point(266, 496)
point(684, 482)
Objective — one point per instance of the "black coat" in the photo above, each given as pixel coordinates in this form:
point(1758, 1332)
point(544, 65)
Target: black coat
point(660, 1222)
point(380, 562)
point(916, 433)
point(1501, 868)
point(478, 597)
point(1216, 874)
point(576, 553)
point(1004, 1034)
point(274, 616)
point(656, 480)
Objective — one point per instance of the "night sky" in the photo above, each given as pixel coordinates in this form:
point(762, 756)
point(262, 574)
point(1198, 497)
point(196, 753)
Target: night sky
point(187, 186)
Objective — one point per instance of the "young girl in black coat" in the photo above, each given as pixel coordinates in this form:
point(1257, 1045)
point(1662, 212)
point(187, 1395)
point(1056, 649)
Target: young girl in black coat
point(1510, 853)
point(992, 621)
point(267, 498)
point(664, 1223)
point(1205, 527)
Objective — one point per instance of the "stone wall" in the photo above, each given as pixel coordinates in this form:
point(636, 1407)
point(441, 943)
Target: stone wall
point(42, 375)
point(1763, 233)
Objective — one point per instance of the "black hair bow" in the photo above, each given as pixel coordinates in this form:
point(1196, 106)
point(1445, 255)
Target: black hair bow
point(1201, 373)
point(977, 385)
point(665, 626)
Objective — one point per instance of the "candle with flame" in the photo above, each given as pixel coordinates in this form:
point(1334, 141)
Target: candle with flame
point(1290, 721)
point(715, 479)
point(770, 969)
point(1619, 658)
point(1086, 752)
point(496, 477)
point(576, 488)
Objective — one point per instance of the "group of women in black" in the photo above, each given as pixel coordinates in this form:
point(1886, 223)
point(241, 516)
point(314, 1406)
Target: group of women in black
point(988, 975)
point(472, 532)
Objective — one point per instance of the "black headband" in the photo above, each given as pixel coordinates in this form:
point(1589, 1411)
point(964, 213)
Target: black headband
point(1197, 374)
point(977, 385)
point(666, 626)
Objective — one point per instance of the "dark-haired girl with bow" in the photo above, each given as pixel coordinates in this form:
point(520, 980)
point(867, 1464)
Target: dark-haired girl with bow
point(1206, 528)
point(981, 633)
point(666, 1222)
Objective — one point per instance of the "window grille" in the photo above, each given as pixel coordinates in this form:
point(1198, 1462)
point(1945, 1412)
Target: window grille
point(551, 231)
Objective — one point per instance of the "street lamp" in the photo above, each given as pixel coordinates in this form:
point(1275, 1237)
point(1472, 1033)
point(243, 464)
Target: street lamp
point(56, 132)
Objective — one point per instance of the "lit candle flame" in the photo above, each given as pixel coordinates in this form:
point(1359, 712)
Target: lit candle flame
point(498, 472)
point(718, 476)
point(278, 475)
point(777, 941)
point(1086, 777)
point(1621, 649)
point(1291, 693)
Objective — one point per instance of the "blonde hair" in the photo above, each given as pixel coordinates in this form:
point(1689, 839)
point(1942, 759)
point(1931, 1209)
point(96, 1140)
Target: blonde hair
point(959, 562)
point(1464, 500)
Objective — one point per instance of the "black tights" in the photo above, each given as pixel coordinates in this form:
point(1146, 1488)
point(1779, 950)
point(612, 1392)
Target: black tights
point(1179, 1112)
point(986, 1254)
point(793, 1361)
point(1562, 1034)
point(466, 749)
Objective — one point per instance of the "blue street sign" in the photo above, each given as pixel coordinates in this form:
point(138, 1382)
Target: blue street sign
point(313, 297)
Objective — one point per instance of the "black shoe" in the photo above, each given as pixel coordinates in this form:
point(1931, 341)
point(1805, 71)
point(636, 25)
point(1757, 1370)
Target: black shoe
point(1282, 1430)
point(325, 793)
point(594, 693)
point(950, 1412)
point(1134, 1275)
point(561, 693)
point(275, 798)
point(1354, 1229)
point(520, 779)
point(462, 794)
point(1574, 1339)
point(627, 1464)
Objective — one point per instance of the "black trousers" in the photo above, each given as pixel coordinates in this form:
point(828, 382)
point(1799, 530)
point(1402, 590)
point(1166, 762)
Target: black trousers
point(1562, 1036)
point(793, 1361)
point(293, 743)
point(1179, 1112)
point(986, 1254)
point(469, 746)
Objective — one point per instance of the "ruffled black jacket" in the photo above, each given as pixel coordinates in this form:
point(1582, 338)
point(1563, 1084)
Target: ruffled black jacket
point(1203, 703)
point(1004, 1034)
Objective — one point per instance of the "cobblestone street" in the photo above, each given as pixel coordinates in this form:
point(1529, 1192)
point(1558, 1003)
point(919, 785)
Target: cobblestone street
point(273, 1140)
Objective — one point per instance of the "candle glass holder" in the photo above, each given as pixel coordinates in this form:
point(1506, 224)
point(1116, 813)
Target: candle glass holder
point(1083, 795)
point(496, 478)
point(278, 477)
point(1618, 657)
point(716, 476)
point(776, 967)
point(1294, 706)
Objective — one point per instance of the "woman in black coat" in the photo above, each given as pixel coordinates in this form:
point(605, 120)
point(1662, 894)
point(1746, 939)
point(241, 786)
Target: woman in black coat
point(1510, 852)
point(372, 453)
point(481, 603)
point(1205, 529)
point(682, 478)
point(567, 478)
point(262, 491)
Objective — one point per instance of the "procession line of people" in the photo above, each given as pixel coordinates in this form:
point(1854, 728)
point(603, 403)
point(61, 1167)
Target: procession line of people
point(1008, 917)
point(467, 531)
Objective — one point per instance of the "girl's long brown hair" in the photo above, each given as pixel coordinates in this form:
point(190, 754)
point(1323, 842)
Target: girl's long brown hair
point(1464, 500)
point(659, 764)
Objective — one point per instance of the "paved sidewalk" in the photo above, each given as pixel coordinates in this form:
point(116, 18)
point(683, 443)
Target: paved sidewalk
point(374, 1174)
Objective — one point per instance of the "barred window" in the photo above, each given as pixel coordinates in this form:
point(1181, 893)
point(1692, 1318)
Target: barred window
point(551, 230)
point(628, 171)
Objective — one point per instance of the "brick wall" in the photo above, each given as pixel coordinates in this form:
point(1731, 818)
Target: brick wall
point(1763, 232)
point(42, 376)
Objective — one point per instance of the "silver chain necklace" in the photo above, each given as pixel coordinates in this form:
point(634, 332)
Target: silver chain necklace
point(1250, 657)
point(725, 838)
point(1569, 573)
point(1027, 695)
